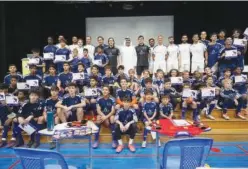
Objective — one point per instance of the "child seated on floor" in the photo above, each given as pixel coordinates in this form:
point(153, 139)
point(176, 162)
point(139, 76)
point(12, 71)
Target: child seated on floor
point(126, 123)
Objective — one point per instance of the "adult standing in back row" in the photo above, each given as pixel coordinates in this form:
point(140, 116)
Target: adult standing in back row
point(142, 52)
point(113, 54)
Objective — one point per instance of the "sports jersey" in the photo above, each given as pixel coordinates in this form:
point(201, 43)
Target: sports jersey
point(74, 64)
point(221, 41)
point(227, 62)
point(112, 53)
point(104, 59)
point(184, 50)
point(142, 52)
point(50, 104)
point(86, 62)
point(119, 76)
point(35, 109)
point(159, 51)
point(197, 51)
point(153, 90)
point(33, 77)
point(125, 116)
point(106, 104)
point(108, 80)
point(70, 101)
point(228, 94)
point(166, 109)
point(120, 94)
point(172, 61)
point(240, 86)
point(205, 42)
point(8, 77)
point(49, 49)
point(213, 53)
point(65, 79)
point(150, 108)
point(62, 51)
point(50, 80)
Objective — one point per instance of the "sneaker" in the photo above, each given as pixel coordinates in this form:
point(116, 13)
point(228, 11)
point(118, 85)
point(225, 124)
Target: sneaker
point(12, 143)
point(143, 144)
point(3, 143)
point(210, 117)
point(226, 117)
point(131, 147)
point(114, 144)
point(119, 148)
point(36, 145)
point(240, 116)
point(52, 145)
point(218, 107)
point(30, 143)
point(95, 145)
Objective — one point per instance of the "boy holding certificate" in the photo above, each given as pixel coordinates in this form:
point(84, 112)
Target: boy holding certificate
point(228, 57)
point(62, 55)
point(100, 59)
point(149, 110)
point(175, 97)
point(64, 78)
point(126, 123)
point(37, 60)
point(240, 82)
point(105, 110)
point(241, 45)
point(71, 107)
point(189, 100)
point(31, 114)
point(230, 98)
point(91, 94)
point(33, 76)
point(81, 80)
point(209, 97)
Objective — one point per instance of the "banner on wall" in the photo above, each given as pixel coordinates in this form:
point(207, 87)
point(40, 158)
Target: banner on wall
point(25, 67)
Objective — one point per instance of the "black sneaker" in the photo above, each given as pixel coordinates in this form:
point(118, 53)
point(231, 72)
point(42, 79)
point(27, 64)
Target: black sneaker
point(52, 145)
point(36, 145)
point(30, 143)
point(3, 144)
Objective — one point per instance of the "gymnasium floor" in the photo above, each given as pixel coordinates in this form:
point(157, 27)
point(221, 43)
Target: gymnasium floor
point(230, 155)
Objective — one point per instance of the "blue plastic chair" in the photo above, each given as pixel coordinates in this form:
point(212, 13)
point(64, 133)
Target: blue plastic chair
point(193, 152)
point(35, 159)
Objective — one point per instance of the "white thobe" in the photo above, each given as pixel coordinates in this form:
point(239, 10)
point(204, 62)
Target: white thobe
point(128, 57)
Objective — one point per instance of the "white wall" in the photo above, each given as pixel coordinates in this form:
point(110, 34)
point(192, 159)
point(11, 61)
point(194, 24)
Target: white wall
point(121, 27)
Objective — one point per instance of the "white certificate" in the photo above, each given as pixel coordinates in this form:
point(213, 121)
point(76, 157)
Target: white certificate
point(2, 96)
point(176, 80)
point(60, 58)
point(27, 128)
point(246, 32)
point(23, 86)
point(97, 62)
point(181, 123)
point(12, 100)
point(33, 61)
point(33, 83)
point(90, 92)
point(48, 56)
point(240, 79)
point(245, 69)
point(231, 53)
point(239, 42)
point(208, 92)
point(77, 76)
point(189, 93)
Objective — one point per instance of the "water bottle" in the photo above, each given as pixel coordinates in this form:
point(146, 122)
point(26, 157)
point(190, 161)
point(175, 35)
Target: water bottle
point(50, 120)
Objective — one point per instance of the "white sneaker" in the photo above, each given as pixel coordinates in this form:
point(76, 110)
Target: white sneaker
point(210, 117)
point(218, 107)
point(143, 144)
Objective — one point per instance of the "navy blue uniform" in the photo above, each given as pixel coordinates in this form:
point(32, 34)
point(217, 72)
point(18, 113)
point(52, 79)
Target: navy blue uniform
point(108, 80)
point(104, 59)
point(7, 78)
point(213, 53)
point(221, 41)
point(125, 116)
point(120, 94)
point(65, 79)
point(62, 51)
point(50, 80)
point(106, 105)
point(86, 62)
point(49, 49)
point(227, 62)
point(205, 42)
point(118, 77)
point(150, 108)
point(165, 109)
point(50, 104)
point(35, 109)
point(240, 58)
point(74, 64)
point(33, 77)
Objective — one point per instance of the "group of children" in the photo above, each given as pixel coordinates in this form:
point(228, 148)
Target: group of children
point(115, 101)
